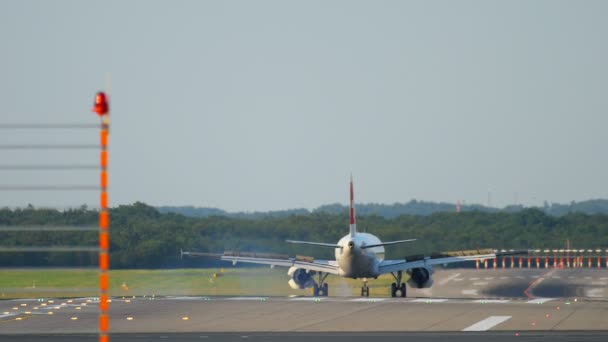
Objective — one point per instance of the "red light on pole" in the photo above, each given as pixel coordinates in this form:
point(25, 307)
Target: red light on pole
point(101, 106)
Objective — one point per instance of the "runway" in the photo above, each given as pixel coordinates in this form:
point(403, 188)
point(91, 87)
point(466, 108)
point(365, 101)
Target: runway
point(470, 303)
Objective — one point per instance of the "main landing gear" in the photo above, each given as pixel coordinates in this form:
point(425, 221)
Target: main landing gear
point(398, 288)
point(321, 289)
point(364, 289)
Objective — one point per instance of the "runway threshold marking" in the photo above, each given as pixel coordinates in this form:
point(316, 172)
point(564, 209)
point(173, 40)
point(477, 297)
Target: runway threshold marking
point(487, 324)
point(539, 300)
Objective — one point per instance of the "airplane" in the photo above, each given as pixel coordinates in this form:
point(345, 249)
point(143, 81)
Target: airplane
point(358, 255)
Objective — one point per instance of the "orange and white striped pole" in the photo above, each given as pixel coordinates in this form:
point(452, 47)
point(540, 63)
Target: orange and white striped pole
point(102, 109)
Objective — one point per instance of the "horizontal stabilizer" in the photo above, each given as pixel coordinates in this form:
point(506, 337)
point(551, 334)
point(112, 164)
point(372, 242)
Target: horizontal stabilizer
point(322, 244)
point(388, 243)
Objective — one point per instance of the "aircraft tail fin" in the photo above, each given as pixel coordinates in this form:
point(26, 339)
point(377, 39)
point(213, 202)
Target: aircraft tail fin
point(353, 222)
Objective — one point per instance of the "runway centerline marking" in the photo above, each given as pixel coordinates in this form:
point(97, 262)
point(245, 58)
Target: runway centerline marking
point(368, 300)
point(307, 299)
point(248, 298)
point(488, 301)
point(487, 324)
point(429, 300)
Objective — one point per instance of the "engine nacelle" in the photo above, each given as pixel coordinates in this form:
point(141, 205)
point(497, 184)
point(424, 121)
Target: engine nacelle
point(300, 278)
point(420, 278)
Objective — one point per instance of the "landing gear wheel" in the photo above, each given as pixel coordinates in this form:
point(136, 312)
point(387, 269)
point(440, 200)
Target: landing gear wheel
point(321, 289)
point(365, 290)
point(398, 290)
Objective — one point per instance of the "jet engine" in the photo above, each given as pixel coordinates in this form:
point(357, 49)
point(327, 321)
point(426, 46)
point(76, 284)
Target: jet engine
point(420, 278)
point(300, 278)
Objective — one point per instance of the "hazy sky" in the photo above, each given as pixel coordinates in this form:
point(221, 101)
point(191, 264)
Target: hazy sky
point(258, 105)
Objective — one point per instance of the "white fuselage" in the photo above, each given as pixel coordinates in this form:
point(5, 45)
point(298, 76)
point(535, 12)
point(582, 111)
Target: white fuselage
point(356, 262)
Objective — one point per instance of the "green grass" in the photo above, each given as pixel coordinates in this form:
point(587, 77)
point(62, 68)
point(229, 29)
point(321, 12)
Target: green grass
point(40, 283)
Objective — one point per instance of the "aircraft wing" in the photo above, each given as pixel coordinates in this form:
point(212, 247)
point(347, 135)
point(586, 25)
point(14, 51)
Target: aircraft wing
point(272, 259)
point(312, 265)
point(388, 266)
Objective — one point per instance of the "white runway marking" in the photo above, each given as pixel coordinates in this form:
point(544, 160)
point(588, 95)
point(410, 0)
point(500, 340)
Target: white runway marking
point(459, 279)
point(9, 315)
point(308, 299)
point(473, 279)
point(535, 276)
point(599, 283)
point(429, 300)
point(469, 292)
point(603, 278)
point(485, 301)
point(480, 283)
point(448, 279)
point(504, 277)
point(487, 323)
point(368, 300)
point(248, 298)
point(587, 277)
point(556, 277)
point(488, 278)
point(188, 298)
point(539, 300)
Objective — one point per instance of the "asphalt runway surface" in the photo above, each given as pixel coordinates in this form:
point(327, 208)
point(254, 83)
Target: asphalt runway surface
point(556, 304)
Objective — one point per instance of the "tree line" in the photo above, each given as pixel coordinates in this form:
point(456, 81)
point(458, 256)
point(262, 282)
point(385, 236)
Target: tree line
point(413, 207)
point(143, 237)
